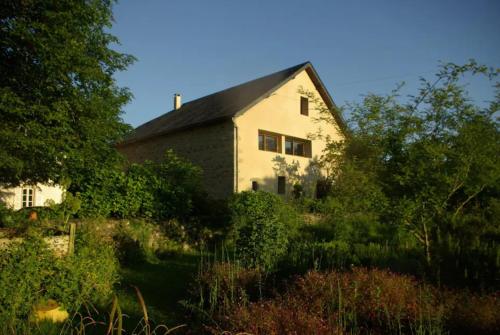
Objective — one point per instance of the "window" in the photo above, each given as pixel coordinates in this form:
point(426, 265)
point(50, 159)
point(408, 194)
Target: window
point(304, 106)
point(27, 199)
point(269, 141)
point(255, 186)
point(281, 185)
point(297, 147)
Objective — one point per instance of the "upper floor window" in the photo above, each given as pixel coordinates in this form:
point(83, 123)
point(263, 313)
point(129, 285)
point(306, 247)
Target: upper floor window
point(27, 199)
point(269, 141)
point(297, 147)
point(304, 106)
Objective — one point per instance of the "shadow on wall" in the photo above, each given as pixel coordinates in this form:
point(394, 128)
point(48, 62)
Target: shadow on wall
point(294, 175)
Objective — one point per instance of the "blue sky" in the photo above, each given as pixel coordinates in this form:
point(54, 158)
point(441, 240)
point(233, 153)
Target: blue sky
point(199, 47)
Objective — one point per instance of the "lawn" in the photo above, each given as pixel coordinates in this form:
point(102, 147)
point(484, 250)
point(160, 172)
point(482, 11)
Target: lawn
point(163, 284)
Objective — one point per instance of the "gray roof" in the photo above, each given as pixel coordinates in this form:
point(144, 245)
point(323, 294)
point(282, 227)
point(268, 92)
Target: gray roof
point(223, 105)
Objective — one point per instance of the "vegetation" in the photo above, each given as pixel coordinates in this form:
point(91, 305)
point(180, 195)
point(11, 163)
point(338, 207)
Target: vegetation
point(360, 301)
point(261, 231)
point(403, 240)
point(160, 191)
point(31, 275)
point(59, 104)
point(424, 173)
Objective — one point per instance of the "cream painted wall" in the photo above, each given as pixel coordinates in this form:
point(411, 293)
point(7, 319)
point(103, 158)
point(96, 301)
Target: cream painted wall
point(42, 193)
point(280, 113)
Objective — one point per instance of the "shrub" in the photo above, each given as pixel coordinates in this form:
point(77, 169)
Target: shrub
point(361, 301)
point(7, 215)
point(30, 274)
point(468, 313)
point(262, 224)
point(158, 190)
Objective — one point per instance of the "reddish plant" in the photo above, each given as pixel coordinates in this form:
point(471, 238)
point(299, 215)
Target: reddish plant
point(341, 302)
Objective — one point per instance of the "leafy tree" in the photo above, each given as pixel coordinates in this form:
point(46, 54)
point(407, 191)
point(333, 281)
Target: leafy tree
point(59, 104)
point(433, 160)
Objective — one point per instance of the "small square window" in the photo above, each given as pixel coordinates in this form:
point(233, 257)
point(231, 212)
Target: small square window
point(304, 106)
point(281, 185)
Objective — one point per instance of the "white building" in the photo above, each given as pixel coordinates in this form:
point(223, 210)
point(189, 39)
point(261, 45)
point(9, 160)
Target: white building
point(31, 195)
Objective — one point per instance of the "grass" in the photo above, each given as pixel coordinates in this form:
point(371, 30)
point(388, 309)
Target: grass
point(162, 284)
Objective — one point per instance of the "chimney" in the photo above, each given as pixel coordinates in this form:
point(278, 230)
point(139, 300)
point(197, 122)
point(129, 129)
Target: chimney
point(177, 101)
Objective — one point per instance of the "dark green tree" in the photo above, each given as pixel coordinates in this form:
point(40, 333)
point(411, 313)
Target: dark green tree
point(59, 104)
point(429, 165)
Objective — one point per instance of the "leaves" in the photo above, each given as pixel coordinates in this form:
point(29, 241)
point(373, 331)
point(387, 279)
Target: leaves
point(59, 104)
point(433, 160)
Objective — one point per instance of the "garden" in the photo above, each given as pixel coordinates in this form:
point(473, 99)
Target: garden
point(401, 238)
point(402, 235)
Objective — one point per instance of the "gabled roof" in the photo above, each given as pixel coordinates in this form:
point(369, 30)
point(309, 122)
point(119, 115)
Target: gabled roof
point(226, 104)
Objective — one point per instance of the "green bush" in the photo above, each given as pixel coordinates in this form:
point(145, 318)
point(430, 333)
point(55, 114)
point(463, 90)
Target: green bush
point(31, 274)
point(157, 190)
point(263, 225)
point(7, 216)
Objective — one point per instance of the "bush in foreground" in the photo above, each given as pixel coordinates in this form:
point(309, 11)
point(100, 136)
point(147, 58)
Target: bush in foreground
point(263, 225)
point(361, 301)
point(31, 274)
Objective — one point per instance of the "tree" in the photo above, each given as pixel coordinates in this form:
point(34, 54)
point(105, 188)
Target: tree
point(59, 104)
point(435, 159)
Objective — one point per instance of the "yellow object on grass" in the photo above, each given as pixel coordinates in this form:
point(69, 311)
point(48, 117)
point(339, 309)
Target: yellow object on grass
point(50, 311)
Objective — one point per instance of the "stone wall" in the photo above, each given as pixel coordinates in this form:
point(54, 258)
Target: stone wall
point(59, 244)
point(209, 147)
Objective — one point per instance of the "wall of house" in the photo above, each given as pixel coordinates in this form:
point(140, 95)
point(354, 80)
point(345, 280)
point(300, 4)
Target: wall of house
point(280, 113)
point(42, 195)
point(209, 147)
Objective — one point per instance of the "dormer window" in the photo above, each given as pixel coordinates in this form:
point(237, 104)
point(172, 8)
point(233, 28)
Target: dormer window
point(304, 106)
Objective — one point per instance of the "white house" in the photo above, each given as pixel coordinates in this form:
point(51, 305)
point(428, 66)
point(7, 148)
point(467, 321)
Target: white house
point(31, 195)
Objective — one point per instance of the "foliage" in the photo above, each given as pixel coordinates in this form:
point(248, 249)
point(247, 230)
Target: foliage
point(469, 313)
point(139, 240)
point(59, 104)
point(31, 274)
point(6, 215)
point(261, 230)
point(220, 286)
point(158, 190)
point(428, 166)
point(354, 302)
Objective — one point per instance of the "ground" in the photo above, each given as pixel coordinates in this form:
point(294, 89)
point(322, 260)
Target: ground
point(163, 284)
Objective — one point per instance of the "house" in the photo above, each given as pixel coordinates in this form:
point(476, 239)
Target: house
point(31, 195)
point(256, 135)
